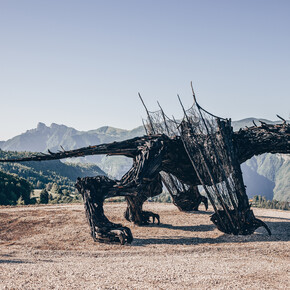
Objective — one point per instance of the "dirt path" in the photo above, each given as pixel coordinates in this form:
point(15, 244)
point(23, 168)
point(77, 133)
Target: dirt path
point(49, 247)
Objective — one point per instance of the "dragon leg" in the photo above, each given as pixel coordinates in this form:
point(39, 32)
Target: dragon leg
point(144, 177)
point(134, 212)
point(245, 221)
point(189, 200)
point(94, 191)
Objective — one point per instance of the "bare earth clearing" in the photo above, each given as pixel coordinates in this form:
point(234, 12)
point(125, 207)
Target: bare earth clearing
point(48, 247)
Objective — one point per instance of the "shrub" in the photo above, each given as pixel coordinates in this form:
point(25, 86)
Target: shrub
point(44, 197)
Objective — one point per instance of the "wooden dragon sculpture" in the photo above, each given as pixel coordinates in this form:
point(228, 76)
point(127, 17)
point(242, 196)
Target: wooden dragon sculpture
point(201, 150)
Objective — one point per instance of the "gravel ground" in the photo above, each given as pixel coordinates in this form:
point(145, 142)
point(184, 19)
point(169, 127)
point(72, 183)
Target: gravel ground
point(49, 247)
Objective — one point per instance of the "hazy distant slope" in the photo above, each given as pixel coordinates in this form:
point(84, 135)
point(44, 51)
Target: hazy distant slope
point(256, 183)
point(271, 176)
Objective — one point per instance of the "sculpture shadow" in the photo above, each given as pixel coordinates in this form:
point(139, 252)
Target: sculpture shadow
point(18, 261)
point(280, 232)
point(198, 228)
point(15, 262)
point(272, 217)
point(204, 212)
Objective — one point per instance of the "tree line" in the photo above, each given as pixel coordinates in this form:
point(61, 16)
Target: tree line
point(262, 202)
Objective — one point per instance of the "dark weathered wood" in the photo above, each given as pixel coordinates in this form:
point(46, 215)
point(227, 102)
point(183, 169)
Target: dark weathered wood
point(134, 212)
point(94, 191)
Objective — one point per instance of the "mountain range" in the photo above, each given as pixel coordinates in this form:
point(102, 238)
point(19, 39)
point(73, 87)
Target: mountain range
point(266, 175)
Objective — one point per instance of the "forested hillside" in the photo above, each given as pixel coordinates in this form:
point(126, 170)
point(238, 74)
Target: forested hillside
point(13, 189)
point(39, 174)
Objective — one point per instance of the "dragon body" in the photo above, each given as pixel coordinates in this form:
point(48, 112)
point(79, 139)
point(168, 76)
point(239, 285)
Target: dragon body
point(182, 161)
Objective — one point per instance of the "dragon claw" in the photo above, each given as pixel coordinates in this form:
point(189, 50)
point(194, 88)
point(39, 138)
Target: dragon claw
point(120, 235)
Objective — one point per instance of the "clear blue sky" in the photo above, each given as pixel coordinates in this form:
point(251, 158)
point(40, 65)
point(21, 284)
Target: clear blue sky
point(82, 63)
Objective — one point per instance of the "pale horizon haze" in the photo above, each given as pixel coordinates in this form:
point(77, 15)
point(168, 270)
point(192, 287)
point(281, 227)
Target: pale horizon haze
point(82, 63)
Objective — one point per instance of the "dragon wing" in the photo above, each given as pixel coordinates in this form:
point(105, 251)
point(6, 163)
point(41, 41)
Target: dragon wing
point(128, 148)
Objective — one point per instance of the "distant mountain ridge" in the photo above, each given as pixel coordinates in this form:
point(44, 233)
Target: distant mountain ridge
point(43, 137)
point(258, 172)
